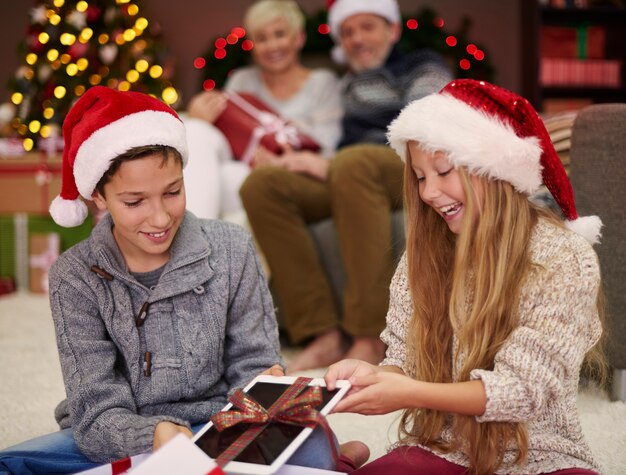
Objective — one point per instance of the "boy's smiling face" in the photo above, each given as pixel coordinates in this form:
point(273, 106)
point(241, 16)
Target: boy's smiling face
point(146, 200)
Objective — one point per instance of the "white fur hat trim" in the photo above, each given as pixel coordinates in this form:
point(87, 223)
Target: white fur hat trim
point(134, 130)
point(342, 9)
point(482, 143)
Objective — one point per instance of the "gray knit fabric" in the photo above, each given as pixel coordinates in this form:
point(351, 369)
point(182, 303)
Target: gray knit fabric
point(536, 373)
point(210, 328)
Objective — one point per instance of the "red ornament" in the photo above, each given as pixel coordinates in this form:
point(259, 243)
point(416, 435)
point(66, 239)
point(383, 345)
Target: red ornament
point(199, 62)
point(323, 29)
point(220, 43)
point(247, 45)
point(78, 50)
point(93, 13)
point(411, 24)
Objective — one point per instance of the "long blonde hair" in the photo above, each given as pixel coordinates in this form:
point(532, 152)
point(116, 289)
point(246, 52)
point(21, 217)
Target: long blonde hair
point(471, 292)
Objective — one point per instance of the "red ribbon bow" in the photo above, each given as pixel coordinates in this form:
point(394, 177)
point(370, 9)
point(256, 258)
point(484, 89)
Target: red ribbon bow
point(294, 407)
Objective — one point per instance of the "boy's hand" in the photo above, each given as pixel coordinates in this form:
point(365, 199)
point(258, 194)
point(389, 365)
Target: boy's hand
point(276, 370)
point(166, 431)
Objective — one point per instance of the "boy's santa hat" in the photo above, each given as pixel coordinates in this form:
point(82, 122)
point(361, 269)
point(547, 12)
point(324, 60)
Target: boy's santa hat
point(103, 124)
point(491, 132)
point(339, 10)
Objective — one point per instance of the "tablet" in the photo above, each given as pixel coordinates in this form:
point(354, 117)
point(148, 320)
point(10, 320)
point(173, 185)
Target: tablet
point(273, 447)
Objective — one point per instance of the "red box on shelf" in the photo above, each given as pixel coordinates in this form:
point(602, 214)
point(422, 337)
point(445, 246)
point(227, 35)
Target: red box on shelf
point(567, 42)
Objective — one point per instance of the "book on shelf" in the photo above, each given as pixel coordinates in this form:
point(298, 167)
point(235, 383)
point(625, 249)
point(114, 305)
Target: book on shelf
point(570, 72)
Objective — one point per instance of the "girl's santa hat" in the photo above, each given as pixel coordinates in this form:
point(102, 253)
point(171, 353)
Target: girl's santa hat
point(339, 10)
point(103, 124)
point(492, 132)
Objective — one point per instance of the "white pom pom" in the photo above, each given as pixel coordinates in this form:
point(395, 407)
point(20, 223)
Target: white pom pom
point(68, 213)
point(338, 54)
point(588, 227)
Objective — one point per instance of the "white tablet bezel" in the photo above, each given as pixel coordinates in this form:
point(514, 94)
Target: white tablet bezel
point(246, 468)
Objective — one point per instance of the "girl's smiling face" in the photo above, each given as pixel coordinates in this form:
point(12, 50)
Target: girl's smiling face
point(440, 185)
point(146, 200)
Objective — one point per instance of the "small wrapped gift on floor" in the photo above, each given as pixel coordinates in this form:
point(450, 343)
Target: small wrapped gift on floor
point(179, 455)
point(248, 122)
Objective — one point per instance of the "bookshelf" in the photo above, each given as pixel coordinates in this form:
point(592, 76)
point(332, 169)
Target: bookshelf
point(573, 55)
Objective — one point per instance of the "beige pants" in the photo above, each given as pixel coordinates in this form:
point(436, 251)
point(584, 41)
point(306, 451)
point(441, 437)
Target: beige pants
point(364, 186)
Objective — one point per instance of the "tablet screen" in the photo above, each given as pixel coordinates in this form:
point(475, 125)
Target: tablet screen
point(268, 446)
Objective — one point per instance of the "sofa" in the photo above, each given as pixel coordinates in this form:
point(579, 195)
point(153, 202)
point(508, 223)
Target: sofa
point(599, 181)
point(598, 175)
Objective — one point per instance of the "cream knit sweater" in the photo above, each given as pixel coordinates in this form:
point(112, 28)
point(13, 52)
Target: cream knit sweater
point(535, 378)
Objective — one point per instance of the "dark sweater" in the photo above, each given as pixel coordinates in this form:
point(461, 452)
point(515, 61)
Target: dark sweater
point(373, 98)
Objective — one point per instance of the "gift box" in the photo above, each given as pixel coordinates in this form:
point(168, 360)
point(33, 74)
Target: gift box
point(267, 421)
point(179, 455)
point(248, 122)
point(43, 250)
point(29, 182)
point(569, 42)
point(18, 232)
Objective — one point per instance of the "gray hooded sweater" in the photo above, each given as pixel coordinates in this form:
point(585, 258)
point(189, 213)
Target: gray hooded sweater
point(208, 327)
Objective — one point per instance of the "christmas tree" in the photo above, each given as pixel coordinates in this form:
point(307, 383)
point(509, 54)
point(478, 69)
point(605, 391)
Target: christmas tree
point(72, 45)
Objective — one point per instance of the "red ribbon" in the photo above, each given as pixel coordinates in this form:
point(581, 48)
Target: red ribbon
point(294, 407)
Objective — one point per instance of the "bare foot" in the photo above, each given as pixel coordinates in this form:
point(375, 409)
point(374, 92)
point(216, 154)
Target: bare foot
point(324, 350)
point(367, 348)
point(356, 451)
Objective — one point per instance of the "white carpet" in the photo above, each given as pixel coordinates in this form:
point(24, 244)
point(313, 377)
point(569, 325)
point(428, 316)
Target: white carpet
point(32, 386)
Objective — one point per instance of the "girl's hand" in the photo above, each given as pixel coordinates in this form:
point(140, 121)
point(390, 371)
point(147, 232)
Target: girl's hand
point(276, 370)
point(207, 105)
point(165, 431)
point(348, 369)
point(379, 392)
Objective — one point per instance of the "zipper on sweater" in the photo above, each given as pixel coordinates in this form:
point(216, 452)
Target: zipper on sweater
point(143, 314)
point(147, 364)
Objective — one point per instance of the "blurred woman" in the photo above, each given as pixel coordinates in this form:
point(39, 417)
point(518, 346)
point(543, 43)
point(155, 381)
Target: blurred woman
point(307, 98)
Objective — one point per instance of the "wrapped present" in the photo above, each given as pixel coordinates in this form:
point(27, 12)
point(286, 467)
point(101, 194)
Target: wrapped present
point(16, 231)
point(248, 122)
point(29, 182)
point(267, 421)
point(179, 455)
point(572, 42)
point(7, 285)
point(43, 250)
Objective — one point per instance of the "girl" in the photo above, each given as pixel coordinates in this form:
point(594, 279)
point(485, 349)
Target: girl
point(494, 305)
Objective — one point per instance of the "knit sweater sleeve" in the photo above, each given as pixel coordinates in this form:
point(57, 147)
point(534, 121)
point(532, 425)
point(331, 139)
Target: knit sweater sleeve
point(558, 325)
point(251, 344)
point(102, 409)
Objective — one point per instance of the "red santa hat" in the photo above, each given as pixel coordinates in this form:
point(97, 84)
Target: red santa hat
point(339, 10)
point(491, 132)
point(103, 124)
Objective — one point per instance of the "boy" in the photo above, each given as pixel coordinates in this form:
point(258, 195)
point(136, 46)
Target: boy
point(158, 314)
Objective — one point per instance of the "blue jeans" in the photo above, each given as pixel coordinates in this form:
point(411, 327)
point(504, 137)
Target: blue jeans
point(57, 453)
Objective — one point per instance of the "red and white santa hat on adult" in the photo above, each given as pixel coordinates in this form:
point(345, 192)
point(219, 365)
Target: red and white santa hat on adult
point(103, 124)
point(491, 132)
point(339, 10)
